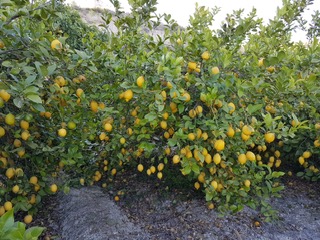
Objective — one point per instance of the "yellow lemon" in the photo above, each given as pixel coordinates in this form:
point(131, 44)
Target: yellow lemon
point(7, 206)
point(27, 219)
point(108, 127)
point(33, 180)
point(15, 189)
point(217, 158)
point(219, 145)
point(53, 188)
point(128, 95)
point(140, 167)
point(140, 81)
point(10, 172)
point(269, 137)
point(242, 159)
point(247, 183)
point(56, 44)
point(250, 156)
point(176, 159)
point(10, 119)
point(205, 55)
point(232, 107)
point(2, 132)
point(4, 95)
point(215, 70)
point(62, 132)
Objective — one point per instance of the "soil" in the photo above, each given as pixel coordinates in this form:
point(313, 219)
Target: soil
point(150, 209)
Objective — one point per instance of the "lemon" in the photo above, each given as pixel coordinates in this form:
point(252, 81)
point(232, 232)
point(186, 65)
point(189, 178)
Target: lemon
point(53, 188)
point(27, 219)
point(122, 140)
point(215, 70)
point(10, 172)
point(232, 107)
point(153, 169)
point(62, 132)
point(204, 136)
point(10, 119)
point(176, 159)
point(56, 44)
point(205, 55)
point(71, 125)
point(269, 137)
point(81, 181)
point(247, 183)
point(242, 158)
point(2, 132)
point(191, 136)
point(192, 65)
point(79, 92)
point(33, 180)
point(140, 81)
point(166, 135)
point(219, 145)
point(271, 69)
point(7, 206)
point(217, 158)
point(163, 124)
point(187, 96)
point(128, 95)
point(261, 62)
point(94, 106)
point(210, 206)
point(197, 185)
point(160, 166)
point(301, 160)
point(140, 167)
point(15, 189)
point(316, 143)
point(207, 158)
point(21, 152)
point(230, 132)
point(2, 210)
point(25, 135)
point(159, 175)
point(108, 127)
point(250, 156)
point(306, 154)
point(199, 109)
point(214, 184)
point(4, 95)
point(247, 129)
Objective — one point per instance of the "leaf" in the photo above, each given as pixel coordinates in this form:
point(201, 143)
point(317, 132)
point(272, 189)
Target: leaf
point(253, 108)
point(33, 233)
point(38, 107)
point(6, 221)
point(151, 116)
point(31, 89)
point(34, 98)
point(18, 102)
point(277, 174)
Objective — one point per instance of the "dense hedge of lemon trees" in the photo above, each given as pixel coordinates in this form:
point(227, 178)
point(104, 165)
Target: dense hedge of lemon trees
point(226, 109)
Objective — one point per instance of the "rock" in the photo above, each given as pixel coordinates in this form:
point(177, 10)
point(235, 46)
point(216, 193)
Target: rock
point(89, 213)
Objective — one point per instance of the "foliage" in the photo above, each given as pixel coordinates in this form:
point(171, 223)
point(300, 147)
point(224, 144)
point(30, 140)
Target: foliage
point(225, 108)
point(9, 229)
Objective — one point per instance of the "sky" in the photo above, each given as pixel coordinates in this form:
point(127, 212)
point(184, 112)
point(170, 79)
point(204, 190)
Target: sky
point(180, 10)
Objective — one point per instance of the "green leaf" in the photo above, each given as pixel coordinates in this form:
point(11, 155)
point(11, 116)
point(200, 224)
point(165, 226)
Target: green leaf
point(277, 174)
point(6, 221)
point(151, 116)
point(253, 108)
point(18, 102)
point(34, 98)
point(33, 233)
point(38, 107)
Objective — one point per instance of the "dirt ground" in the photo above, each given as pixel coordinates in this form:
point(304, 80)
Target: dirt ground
point(148, 210)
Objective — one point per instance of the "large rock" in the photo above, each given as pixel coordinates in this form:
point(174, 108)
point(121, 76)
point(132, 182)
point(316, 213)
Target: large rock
point(90, 214)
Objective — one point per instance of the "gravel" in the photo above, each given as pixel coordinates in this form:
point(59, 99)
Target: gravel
point(149, 210)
